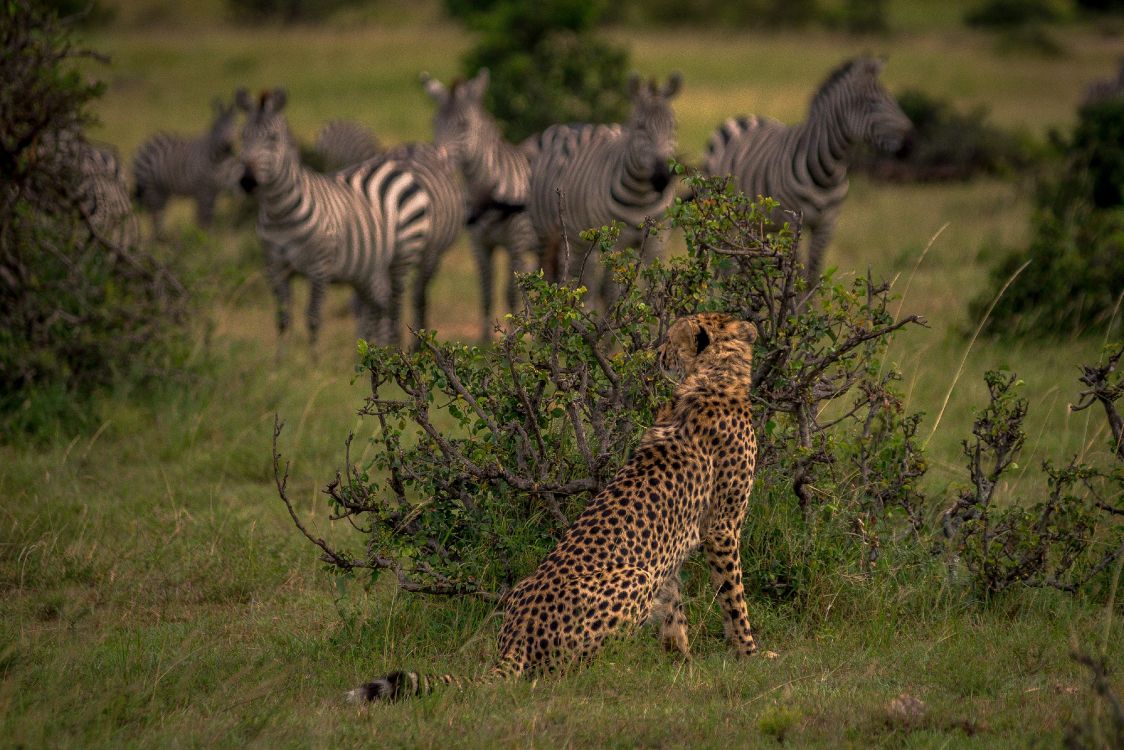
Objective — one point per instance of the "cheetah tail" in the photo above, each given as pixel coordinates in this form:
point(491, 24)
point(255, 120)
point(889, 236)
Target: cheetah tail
point(399, 685)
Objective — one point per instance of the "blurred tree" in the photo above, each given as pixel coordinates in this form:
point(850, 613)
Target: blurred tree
point(546, 64)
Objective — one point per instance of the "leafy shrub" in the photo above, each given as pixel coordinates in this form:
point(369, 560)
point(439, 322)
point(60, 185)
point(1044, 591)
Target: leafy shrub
point(1062, 541)
point(547, 66)
point(77, 311)
point(995, 14)
point(286, 11)
point(483, 456)
point(754, 13)
point(1075, 274)
point(946, 144)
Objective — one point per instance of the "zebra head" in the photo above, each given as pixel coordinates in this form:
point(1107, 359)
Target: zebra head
point(652, 127)
point(223, 132)
point(461, 124)
point(267, 150)
point(854, 95)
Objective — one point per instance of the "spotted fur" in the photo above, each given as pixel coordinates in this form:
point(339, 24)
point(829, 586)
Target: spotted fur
point(687, 485)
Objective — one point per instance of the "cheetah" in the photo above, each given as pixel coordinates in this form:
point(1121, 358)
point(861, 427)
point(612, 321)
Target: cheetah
point(617, 566)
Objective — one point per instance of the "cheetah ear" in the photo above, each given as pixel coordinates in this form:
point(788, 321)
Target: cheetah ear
point(702, 340)
point(746, 331)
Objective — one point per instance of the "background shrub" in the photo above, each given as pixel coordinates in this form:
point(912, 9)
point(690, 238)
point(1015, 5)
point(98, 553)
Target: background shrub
point(287, 11)
point(996, 14)
point(76, 313)
point(947, 144)
point(546, 64)
point(1076, 272)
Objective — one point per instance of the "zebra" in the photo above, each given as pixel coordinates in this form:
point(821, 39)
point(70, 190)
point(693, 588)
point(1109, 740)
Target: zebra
point(200, 168)
point(104, 195)
point(497, 176)
point(605, 173)
point(100, 192)
point(366, 225)
point(341, 143)
point(804, 166)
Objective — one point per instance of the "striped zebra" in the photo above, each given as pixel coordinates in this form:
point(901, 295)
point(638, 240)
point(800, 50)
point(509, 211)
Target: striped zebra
point(169, 165)
point(365, 226)
point(341, 143)
point(804, 166)
point(605, 173)
point(497, 176)
point(104, 195)
point(101, 192)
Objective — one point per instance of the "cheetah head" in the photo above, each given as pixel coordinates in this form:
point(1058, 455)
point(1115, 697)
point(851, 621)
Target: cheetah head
point(694, 338)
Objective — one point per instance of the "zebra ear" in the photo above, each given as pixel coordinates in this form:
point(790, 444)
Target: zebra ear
point(436, 90)
point(277, 99)
point(242, 99)
point(478, 85)
point(671, 88)
point(634, 84)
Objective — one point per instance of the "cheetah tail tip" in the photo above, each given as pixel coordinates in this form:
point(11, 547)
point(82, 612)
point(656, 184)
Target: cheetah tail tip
point(368, 692)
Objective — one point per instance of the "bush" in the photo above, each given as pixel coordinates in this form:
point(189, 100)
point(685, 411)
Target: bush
point(286, 11)
point(1064, 540)
point(483, 456)
point(946, 144)
point(547, 66)
point(77, 311)
point(997, 14)
point(1075, 274)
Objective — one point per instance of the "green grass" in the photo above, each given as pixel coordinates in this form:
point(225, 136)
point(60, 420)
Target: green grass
point(153, 592)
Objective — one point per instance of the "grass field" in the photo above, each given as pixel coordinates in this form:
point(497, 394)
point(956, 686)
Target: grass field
point(154, 592)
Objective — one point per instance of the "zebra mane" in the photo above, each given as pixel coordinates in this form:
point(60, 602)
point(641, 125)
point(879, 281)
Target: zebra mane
point(839, 74)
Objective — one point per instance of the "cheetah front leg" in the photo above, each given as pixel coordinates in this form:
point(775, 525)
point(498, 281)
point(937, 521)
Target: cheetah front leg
point(724, 559)
point(667, 614)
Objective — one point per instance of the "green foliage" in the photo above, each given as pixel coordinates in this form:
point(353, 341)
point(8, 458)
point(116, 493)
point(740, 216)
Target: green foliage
point(751, 14)
point(483, 456)
point(996, 14)
point(1064, 540)
point(947, 144)
point(286, 11)
point(76, 311)
point(547, 66)
point(1076, 252)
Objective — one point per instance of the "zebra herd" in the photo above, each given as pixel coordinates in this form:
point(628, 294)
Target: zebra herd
point(384, 213)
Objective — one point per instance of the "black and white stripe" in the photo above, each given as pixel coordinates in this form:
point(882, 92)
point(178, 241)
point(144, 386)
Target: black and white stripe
point(366, 226)
point(497, 176)
point(341, 143)
point(104, 195)
point(606, 173)
point(200, 168)
point(804, 166)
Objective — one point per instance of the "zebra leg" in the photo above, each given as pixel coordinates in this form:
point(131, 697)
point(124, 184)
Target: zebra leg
point(482, 250)
point(280, 276)
point(821, 236)
point(205, 209)
point(318, 287)
point(422, 278)
point(521, 249)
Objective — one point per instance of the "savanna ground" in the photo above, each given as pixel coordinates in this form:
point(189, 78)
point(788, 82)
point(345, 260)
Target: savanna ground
point(155, 593)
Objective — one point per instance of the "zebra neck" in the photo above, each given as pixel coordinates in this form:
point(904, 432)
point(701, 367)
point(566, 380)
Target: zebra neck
point(638, 168)
point(497, 170)
point(826, 148)
point(277, 195)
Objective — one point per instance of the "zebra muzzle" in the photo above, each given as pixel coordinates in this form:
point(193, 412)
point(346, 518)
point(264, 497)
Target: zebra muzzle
point(247, 181)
